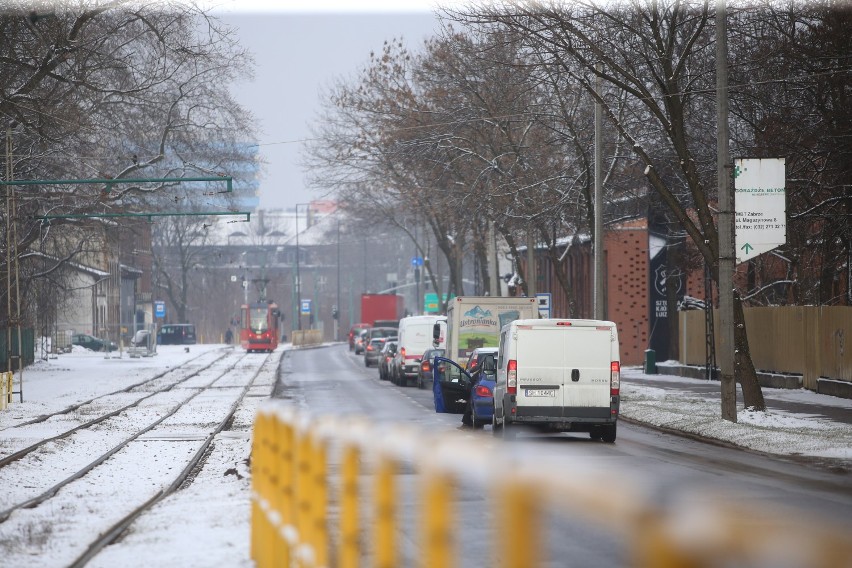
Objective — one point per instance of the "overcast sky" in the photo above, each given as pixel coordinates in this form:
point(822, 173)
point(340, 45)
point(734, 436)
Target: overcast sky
point(299, 54)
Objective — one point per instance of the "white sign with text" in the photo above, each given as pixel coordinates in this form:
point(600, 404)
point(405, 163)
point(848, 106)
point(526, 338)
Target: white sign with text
point(760, 199)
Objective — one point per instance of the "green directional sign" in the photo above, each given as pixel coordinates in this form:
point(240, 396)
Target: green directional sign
point(746, 247)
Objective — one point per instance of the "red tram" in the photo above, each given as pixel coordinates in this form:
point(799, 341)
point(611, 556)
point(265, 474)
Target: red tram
point(259, 326)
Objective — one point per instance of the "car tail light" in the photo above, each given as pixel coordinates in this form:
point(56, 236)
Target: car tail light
point(425, 367)
point(482, 390)
point(402, 353)
point(512, 377)
point(369, 348)
point(615, 378)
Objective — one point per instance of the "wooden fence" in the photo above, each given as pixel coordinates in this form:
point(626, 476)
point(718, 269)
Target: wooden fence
point(814, 341)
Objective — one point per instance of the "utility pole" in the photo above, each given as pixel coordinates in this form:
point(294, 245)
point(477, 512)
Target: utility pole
point(13, 289)
point(531, 291)
point(727, 359)
point(494, 271)
point(298, 278)
point(599, 249)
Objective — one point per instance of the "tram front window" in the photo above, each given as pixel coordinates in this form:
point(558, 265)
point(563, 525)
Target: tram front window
point(257, 320)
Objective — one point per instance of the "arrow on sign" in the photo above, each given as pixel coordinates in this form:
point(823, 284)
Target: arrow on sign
point(746, 247)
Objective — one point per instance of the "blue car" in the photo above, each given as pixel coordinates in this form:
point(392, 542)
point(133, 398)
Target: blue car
point(456, 391)
point(480, 408)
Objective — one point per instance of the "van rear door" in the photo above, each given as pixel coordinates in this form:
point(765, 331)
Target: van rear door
point(588, 354)
point(564, 366)
point(540, 366)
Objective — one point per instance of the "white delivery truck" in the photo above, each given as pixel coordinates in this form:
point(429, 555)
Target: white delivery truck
point(415, 337)
point(476, 321)
point(559, 375)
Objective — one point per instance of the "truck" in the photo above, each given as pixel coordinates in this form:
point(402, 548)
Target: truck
point(476, 321)
point(381, 310)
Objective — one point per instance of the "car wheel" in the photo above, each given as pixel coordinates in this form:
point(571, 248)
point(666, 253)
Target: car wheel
point(608, 434)
point(420, 384)
point(496, 429)
point(477, 424)
point(366, 363)
point(510, 431)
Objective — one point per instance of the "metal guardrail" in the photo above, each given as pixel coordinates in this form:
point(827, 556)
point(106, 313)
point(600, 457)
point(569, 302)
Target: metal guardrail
point(6, 388)
point(292, 482)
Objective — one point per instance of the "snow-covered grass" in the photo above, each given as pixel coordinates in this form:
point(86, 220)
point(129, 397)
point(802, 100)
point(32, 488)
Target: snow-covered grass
point(775, 431)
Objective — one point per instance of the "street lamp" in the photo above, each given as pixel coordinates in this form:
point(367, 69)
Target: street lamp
point(298, 279)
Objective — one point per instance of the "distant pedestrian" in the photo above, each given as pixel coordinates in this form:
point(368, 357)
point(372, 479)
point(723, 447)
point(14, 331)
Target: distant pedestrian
point(229, 336)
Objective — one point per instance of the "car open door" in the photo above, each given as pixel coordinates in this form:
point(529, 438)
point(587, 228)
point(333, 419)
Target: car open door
point(450, 386)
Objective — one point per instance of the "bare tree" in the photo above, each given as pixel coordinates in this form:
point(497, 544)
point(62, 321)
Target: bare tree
point(659, 55)
point(118, 90)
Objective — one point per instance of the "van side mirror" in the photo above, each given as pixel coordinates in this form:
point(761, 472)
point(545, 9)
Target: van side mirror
point(436, 332)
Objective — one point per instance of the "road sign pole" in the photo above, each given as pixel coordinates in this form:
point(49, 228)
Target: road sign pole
point(726, 223)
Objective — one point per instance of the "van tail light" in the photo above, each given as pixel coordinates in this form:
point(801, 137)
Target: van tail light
point(482, 390)
point(425, 367)
point(512, 377)
point(615, 378)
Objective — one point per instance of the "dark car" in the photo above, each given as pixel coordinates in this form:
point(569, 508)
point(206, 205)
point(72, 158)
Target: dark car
point(354, 331)
point(176, 334)
point(360, 341)
point(92, 343)
point(385, 357)
point(424, 377)
point(375, 332)
point(480, 406)
point(373, 350)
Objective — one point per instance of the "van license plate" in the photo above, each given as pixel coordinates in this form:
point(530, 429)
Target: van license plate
point(541, 392)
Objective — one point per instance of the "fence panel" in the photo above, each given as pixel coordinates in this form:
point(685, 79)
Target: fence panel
point(813, 341)
point(27, 344)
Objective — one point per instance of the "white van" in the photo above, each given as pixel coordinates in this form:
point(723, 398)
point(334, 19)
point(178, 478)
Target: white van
point(558, 375)
point(415, 337)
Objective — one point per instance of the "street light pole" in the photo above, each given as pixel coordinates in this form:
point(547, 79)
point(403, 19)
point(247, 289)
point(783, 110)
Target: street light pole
point(298, 278)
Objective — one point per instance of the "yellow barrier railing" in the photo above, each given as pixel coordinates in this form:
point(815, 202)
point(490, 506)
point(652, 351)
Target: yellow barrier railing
point(6, 388)
point(292, 524)
point(307, 337)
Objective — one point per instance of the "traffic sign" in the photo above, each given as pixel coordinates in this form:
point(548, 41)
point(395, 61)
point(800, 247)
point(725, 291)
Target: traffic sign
point(417, 261)
point(542, 301)
point(159, 309)
point(760, 205)
point(306, 307)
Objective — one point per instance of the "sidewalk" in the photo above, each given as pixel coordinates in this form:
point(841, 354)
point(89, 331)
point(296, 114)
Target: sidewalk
point(797, 422)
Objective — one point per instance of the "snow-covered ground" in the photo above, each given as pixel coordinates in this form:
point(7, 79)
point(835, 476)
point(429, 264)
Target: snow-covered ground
point(207, 523)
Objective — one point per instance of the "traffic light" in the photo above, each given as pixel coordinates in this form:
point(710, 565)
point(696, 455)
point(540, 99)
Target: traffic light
point(334, 313)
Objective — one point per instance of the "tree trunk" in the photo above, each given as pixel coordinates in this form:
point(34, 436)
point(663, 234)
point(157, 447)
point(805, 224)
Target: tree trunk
point(752, 394)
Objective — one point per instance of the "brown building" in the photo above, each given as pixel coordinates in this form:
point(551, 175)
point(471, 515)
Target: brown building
point(634, 268)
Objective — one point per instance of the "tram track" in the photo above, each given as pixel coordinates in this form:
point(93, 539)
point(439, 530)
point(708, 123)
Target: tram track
point(127, 389)
point(34, 468)
point(114, 532)
point(19, 454)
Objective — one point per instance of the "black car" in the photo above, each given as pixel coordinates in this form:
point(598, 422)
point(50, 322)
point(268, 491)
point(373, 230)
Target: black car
point(385, 358)
point(176, 334)
point(92, 343)
point(424, 377)
point(373, 350)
